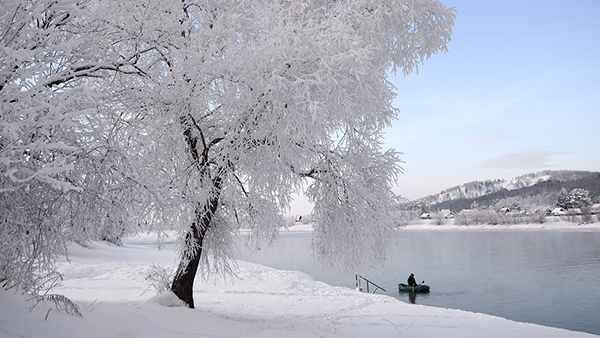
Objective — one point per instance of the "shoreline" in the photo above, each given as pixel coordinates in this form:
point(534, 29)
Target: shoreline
point(426, 225)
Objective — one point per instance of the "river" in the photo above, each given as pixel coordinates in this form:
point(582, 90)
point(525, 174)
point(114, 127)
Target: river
point(549, 278)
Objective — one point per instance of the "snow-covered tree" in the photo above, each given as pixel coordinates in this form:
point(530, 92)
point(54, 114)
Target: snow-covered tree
point(576, 198)
point(218, 111)
point(36, 117)
point(250, 100)
point(562, 201)
point(242, 103)
point(421, 206)
point(53, 140)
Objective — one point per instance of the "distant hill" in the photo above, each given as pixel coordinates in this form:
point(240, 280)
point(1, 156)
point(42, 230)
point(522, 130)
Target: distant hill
point(542, 187)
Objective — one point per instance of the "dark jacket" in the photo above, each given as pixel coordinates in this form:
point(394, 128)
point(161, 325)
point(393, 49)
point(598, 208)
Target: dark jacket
point(411, 281)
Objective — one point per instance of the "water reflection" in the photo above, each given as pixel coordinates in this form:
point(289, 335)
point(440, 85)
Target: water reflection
point(412, 297)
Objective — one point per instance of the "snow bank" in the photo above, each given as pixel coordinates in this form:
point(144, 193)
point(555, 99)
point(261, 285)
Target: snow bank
point(168, 299)
point(109, 285)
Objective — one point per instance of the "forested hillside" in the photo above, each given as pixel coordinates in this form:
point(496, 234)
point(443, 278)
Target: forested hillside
point(536, 189)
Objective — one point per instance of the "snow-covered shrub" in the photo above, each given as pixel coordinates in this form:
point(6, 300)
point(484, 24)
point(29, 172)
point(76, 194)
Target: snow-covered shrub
point(159, 279)
point(509, 218)
point(405, 218)
point(462, 218)
point(539, 216)
point(438, 218)
point(489, 216)
point(61, 303)
point(586, 215)
point(482, 216)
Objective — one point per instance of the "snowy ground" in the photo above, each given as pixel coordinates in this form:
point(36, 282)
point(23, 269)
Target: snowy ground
point(109, 283)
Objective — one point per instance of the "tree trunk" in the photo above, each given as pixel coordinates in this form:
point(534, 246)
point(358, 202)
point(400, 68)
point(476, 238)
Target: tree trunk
point(183, 282)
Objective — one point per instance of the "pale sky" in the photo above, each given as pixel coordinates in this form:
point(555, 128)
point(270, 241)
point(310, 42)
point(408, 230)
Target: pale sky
point(518, 92)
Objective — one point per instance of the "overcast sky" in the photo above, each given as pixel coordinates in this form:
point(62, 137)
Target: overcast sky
point(518, 92)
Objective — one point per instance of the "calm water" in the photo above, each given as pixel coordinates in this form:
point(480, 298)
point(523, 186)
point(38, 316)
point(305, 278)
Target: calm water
point(550, 278)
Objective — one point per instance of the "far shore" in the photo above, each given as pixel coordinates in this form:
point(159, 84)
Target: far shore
point(551, 224)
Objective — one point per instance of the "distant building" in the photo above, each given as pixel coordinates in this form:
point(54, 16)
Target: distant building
point(505, 210)
point(558, 212)
point(426, 215)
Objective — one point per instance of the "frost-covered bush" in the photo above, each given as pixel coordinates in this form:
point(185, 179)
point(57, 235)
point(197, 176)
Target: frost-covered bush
point(159, 279)
point(463, 218)
point(503, 217)
point(586, 215)
point(489, 216)
point(509, 218)
point(404, 218)
point(439, 218)
point(61, 303)
point(539, 216)
point(479, 216)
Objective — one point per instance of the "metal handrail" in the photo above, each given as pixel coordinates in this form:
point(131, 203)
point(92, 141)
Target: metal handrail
point(377, 287)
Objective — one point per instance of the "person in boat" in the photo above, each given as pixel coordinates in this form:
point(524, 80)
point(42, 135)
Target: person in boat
point(411, 280)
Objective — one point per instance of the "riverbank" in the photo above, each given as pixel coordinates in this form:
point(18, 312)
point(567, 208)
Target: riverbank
point(110, 287)
point(552, 223)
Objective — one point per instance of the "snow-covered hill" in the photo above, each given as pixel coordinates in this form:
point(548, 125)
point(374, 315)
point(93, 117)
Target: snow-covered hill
point(477, 189)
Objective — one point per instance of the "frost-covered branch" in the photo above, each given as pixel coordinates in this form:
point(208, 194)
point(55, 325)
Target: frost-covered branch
point(89, 71)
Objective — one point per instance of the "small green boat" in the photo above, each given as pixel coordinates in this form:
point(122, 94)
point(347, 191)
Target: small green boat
point(419, 288)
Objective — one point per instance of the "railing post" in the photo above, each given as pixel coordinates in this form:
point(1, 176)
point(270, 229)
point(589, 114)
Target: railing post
point(359, 277)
